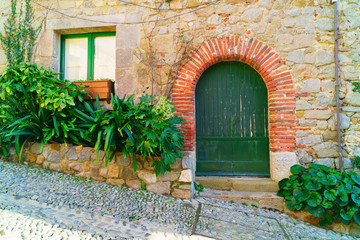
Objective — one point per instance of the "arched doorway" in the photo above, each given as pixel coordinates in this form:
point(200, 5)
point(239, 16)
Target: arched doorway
point(231, 112)
point(281, 95)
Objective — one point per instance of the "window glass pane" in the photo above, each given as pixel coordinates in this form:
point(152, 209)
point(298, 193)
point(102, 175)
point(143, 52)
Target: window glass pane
point(76, 58)
point(104, 57)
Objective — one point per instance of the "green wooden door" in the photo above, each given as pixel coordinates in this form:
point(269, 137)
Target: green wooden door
point(231, 121)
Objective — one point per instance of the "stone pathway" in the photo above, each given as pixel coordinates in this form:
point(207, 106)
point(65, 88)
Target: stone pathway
point(42, 204)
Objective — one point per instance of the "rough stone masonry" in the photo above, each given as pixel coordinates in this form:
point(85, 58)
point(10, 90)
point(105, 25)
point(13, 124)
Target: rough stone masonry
point(150, 50)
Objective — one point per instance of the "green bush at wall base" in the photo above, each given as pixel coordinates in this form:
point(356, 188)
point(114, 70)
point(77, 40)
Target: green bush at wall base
point(44, 108)
point(326, 193)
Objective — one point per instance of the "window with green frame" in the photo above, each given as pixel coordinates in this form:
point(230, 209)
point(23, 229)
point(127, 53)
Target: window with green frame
point(88, 56)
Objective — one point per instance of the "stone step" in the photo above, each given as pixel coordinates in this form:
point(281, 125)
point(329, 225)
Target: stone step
point(240, 184)
point(259, 199)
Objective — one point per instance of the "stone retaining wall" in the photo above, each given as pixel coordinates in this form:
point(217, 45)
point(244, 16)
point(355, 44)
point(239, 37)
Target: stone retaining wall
point(81, 161)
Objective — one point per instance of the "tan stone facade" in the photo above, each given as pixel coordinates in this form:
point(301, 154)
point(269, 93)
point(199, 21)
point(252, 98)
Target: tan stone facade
point(153, 43)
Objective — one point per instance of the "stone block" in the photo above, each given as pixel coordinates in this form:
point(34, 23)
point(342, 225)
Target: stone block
point(159, 188)
point(94, 172)
point(113, 171)
point(303, 105)
point(324, 57)
point(127, 36)
point(71, 155)
point(265, 3)
point(347, 163)
point(186, 187)
point(318, 114)
point(329, 135)
point(344, 121)
point(119, 182)
point(191, 17)
point(46, 152)
point(311, 85)
point(127, 173)
point(352, 98)
point(307, 122)
point(186, 162)
point(76, 166)
point(101, 155)
point(304, 40)
point(35, 148)
point(83, 174)
point(204, 12)
point(54, 166)
point(64, 148)
point(39, 159)
point(55, 146)
point(54, 157)
point(85, 154)
point(311, 139)
point(136, 184)
point(147, 177)
point(218, 183)
point(78, 149)
point(147, 165)
point(181, 193)
point(123, 161)
point(186, 176)
point(322, 125)
point(169, 176)
point(304, 157)
point(176, 165)
point(325, 24)
point(103, 172)
point(326, 150)
point(281, 163)
point(124, 82)
point(252, 15)
point(30, 158)
point(329, 162)
point(46, 165)
point(63, 165)
point(296, 56)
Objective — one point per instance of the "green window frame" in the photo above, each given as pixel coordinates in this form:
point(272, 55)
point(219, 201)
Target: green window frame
point(90, 52)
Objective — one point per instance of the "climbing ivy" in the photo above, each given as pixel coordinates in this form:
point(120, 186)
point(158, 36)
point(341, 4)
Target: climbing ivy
point(19, 37)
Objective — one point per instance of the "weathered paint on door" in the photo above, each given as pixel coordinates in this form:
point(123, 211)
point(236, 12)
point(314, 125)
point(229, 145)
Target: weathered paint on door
point(231, 121)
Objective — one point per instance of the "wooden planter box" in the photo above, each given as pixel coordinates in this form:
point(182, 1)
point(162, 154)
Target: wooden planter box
point(102, 88)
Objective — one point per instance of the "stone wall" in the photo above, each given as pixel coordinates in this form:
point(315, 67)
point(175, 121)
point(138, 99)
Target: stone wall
point(300, 32)
point(81, 161)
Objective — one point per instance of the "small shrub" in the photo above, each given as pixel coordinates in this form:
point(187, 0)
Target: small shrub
point(324, 192)
point(132, 129)
point(356, 162)
point(199, 187)
point(44, 106)
point(143, 185)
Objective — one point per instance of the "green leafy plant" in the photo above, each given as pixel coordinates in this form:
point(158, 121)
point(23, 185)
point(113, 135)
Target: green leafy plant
point(132, 129)
point(199, 187)
point(44, 105)
point(356, 162)
point(143, 185)
point(324, 192)
point(20, 36)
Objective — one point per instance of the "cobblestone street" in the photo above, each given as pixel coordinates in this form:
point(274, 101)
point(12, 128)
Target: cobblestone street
point(42, 204)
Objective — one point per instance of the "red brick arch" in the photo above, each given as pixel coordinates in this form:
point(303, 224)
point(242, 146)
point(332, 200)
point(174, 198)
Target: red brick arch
point(261, 57)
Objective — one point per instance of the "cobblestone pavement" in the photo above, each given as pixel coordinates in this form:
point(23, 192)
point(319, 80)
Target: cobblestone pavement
point(42, 204)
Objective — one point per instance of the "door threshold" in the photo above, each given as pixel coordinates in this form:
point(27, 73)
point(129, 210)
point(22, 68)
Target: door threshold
point(239, 184)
